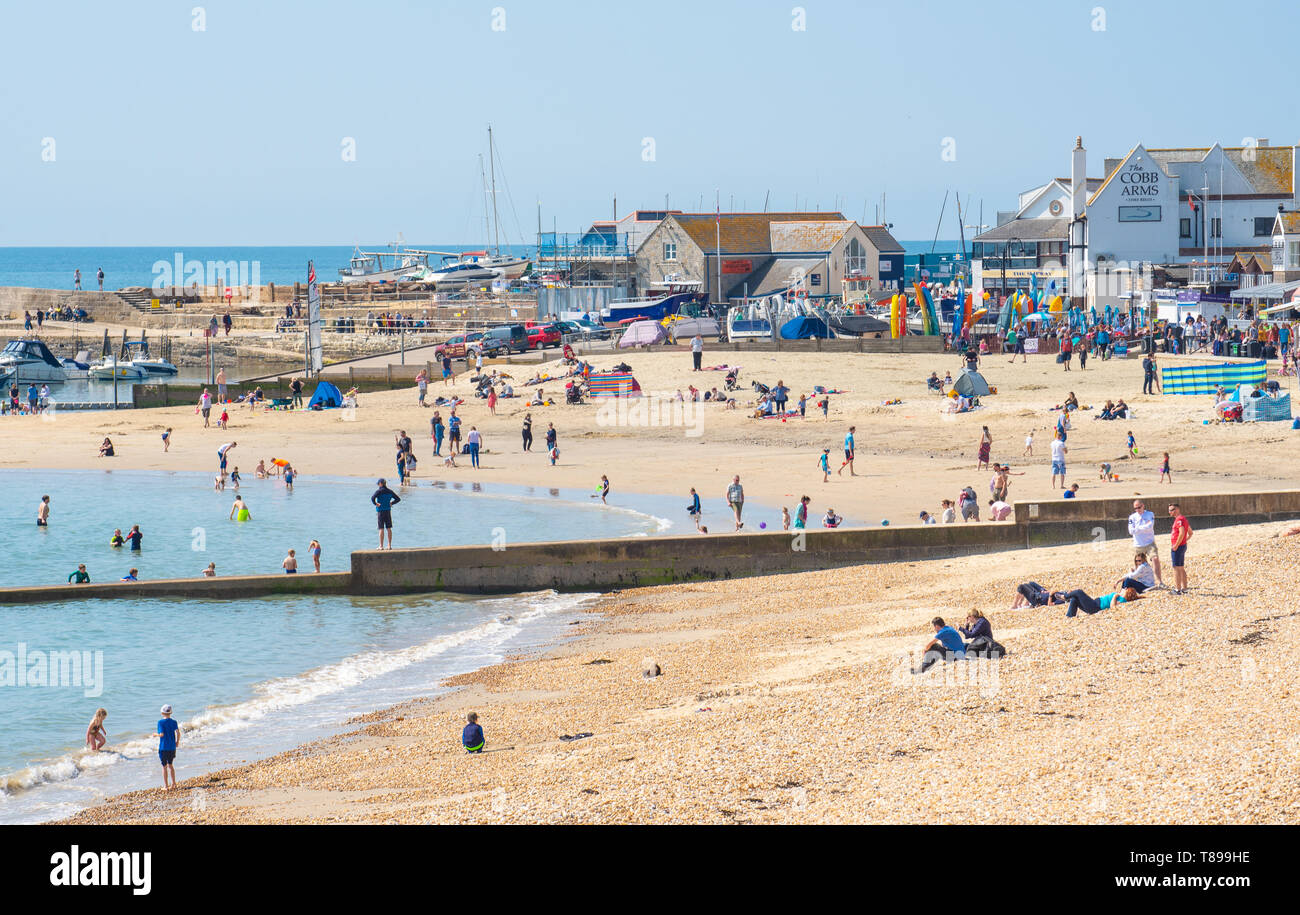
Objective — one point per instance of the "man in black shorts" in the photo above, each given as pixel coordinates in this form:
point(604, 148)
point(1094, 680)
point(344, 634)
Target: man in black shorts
point(383, 500)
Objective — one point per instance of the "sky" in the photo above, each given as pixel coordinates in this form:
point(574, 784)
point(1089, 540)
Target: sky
point(333, 122)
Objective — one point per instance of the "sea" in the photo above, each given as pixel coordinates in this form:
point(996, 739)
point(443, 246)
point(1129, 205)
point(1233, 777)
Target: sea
point(52, 267)
point(247, 678)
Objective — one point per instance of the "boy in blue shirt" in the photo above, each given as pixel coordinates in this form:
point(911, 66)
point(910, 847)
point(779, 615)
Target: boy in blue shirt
point(169, 737)
point(472, 737)
point(947, 645)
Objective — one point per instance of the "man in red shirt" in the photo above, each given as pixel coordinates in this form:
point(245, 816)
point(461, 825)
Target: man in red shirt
point(1181, 533)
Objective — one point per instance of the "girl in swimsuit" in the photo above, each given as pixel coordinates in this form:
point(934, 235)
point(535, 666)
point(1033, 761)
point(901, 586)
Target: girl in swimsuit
point(96, 736)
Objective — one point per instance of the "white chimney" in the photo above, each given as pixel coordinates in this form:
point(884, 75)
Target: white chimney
point(1078, 178)
point(1077, 259)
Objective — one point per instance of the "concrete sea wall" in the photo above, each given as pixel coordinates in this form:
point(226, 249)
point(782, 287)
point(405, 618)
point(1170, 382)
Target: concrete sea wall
point(601, 565)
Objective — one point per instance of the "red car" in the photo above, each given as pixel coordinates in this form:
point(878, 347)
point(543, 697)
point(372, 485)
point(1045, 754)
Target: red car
point(543, 335)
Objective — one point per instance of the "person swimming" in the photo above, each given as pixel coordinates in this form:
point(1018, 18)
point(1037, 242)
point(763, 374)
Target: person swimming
point(117, 540)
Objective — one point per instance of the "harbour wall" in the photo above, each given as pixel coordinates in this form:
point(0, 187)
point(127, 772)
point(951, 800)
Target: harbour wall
point(602, 565)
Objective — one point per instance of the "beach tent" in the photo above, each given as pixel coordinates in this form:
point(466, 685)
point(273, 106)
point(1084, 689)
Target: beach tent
point(971, 384)
point(613, 384)
point(643, 333)
point(1203, 379)
point(804, 327)
point(325, 396)
point(1266, 409)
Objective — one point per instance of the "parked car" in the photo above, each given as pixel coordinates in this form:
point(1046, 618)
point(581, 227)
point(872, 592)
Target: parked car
point(543, 335)
point(513, 336)
point(458, 346)
point(491, 347)
point(589, 330)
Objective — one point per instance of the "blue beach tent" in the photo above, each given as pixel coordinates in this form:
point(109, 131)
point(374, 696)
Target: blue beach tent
point(325, 397)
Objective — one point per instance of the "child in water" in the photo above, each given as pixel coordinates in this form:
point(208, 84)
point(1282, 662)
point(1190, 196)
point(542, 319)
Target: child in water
point(96, 736)
point(239, 511)
point(117, 539)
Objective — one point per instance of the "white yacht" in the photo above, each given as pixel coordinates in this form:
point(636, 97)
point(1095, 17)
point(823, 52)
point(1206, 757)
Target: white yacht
point(109, 368)
point(23, 361)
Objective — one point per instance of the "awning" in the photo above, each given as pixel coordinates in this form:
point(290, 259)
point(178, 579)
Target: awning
point(1267, 291)
point(1285, 306)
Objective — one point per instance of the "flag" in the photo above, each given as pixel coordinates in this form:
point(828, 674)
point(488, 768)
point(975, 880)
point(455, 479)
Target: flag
point(315, 351)
point(1191, 202)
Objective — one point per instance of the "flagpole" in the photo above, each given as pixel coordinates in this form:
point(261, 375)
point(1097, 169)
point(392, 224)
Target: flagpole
point(717, 229)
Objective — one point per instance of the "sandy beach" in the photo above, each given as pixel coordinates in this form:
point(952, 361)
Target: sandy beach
point(909, 456)
point(788, 698)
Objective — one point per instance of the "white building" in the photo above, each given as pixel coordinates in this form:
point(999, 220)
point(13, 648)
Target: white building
point(1202, 207)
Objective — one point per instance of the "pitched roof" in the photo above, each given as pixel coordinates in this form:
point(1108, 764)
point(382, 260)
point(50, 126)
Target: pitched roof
point(1040, 228)
point(1290, 223)
point(804, 236)
point(884, 242)
point(740, 233)
point(1268, 169)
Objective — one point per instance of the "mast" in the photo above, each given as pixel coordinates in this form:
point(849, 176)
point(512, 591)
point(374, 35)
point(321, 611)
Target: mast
point(483, 178)
point(496, 220)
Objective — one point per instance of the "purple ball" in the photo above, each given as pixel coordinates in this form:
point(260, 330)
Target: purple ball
point(762, 525)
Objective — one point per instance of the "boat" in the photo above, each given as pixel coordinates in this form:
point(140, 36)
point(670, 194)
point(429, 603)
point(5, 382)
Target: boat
point(78, 366)
point(24, 361)
point(461, 273)
point(153, 366)
point(750, 321)
point(109, 368)
point(383, 266)
point(855, 325)
point(669, 298)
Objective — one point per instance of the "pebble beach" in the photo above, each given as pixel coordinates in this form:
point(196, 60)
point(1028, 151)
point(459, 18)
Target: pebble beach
point(790, 699)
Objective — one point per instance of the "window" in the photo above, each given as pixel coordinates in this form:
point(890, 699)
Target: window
point(855, 258)
point(1185, 228)
point(1216, 227)
point(1263, 226)
point(1292, 255)
point(670, 251)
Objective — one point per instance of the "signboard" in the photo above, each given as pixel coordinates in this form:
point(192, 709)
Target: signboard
point(1140, 182)
point(738, 266)
point(1139, 214)
point(1031, 345)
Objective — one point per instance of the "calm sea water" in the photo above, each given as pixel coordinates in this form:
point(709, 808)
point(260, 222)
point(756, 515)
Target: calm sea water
point(247, 677)
point(52, 268)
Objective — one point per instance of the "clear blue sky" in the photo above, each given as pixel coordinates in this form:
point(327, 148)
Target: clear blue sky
point(232, 135)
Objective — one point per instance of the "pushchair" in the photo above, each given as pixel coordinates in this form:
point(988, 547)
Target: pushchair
point(733, 380)
point(760, 388)
point(575, 392)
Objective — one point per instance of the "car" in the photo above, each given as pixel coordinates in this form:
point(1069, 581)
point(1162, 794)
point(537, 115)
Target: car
point(543, 335)
point(490, 347)
point(457, 347)
point(586, 330)
point(514, 336)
